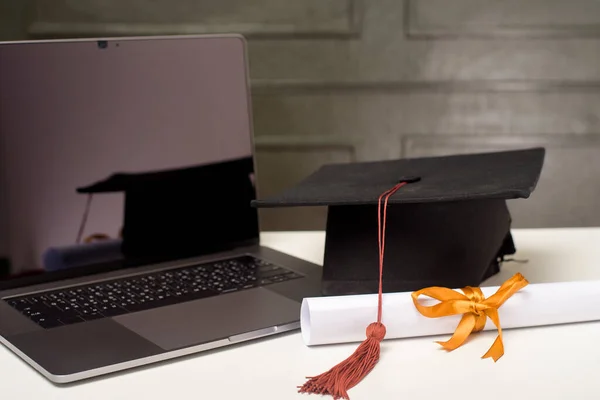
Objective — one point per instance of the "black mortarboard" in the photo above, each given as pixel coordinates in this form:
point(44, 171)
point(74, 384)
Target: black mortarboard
point(448, 226)
point(187, 211)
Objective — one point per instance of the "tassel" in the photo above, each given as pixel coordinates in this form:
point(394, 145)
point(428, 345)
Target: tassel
point(338, 380)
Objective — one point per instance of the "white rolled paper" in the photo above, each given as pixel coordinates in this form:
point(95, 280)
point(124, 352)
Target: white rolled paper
point(344, 319)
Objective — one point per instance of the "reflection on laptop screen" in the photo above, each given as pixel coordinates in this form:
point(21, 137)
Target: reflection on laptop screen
point(137, 150)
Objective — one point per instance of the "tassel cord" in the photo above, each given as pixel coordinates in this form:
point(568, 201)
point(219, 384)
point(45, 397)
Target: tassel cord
point(348, 373)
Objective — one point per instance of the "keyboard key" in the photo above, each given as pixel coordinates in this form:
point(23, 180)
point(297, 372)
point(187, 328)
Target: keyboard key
point(67, 314)
point(267, 268)
point(47, 323)
point(112, 311)
point(19, 304)
point(92, 316)
point(67, 320)
point(272, 272)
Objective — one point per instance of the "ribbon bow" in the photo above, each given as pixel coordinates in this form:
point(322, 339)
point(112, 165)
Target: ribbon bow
point(475, 307)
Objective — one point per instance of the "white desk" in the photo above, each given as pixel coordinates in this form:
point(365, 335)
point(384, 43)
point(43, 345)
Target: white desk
point(558, 362)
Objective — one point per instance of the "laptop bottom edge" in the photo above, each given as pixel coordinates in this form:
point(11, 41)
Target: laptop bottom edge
point(154, 359)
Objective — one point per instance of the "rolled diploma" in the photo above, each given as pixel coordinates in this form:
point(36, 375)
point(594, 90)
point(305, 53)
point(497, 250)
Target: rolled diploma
point(344, 319)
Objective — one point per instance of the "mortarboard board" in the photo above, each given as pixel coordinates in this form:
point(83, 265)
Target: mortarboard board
point(186, 211)
point(448, 226)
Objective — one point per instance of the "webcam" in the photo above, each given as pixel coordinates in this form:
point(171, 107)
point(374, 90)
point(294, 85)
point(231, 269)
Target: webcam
point(102, 44)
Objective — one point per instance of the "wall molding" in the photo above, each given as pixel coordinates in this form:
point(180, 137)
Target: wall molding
point(493, 142)
point(281, 86)
point(42, 27)
point(305, 143)
point(415, 29)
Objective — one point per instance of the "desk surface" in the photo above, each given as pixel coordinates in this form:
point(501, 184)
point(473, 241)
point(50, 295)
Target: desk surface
point(557, 362)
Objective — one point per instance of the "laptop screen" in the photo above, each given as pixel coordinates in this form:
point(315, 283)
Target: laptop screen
point(142, 144)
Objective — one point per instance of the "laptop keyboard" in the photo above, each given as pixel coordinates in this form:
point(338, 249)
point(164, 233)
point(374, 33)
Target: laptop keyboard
point(152, 290)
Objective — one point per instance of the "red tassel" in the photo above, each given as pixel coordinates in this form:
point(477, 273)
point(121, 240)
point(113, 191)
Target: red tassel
point(338, 380)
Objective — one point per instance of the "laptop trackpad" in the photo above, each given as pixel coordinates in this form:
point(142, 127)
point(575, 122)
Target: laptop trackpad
point(213, 318)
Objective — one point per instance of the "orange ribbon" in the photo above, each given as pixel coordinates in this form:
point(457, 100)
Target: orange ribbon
point(475, 307)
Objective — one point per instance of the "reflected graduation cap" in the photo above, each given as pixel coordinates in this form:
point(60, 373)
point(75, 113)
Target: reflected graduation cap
point(186, 211)
point(449, 225)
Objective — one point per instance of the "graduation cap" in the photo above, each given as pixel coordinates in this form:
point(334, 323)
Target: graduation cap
point(449, 225)
point(186, 211)
point(445, 221)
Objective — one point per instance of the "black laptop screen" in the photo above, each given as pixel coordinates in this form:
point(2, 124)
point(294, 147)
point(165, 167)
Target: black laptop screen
point(124, 154)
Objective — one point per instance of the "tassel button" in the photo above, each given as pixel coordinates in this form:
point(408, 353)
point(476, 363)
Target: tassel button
point(377, 331)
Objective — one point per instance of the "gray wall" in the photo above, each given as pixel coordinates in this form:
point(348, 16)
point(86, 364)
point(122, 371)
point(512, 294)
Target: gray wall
point(353, 80)
point(14, 19)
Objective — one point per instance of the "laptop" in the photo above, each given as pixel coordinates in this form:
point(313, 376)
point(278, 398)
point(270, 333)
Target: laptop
point(127, 235)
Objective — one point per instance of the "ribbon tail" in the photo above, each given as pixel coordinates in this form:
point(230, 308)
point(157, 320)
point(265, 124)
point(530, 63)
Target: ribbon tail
point(508, 288)
point(496, 351)
point(462, 332)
